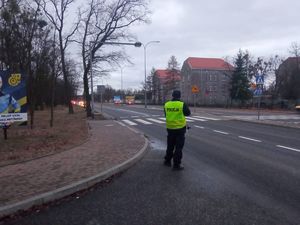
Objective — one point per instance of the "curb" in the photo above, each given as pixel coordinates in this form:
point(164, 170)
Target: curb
point(74, 187)
point(270, 123)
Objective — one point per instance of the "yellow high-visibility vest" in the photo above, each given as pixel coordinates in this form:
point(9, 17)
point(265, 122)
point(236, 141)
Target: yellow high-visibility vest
point(175, 118)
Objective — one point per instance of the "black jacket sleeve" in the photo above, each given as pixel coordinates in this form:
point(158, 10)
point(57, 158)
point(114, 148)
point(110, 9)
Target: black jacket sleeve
point(186, 110)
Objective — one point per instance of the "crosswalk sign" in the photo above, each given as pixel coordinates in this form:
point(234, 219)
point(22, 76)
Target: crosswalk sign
point(259, 79)
point(258, 91)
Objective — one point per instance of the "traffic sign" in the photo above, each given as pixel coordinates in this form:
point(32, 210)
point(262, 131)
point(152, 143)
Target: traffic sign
point(259, 79)
point(258, 91)
point(195, 89)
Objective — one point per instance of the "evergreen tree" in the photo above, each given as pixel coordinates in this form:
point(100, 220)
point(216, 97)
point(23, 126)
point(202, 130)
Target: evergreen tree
point(240, 81)
point(173, 77)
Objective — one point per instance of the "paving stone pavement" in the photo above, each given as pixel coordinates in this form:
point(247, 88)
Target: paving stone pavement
point(111, 148)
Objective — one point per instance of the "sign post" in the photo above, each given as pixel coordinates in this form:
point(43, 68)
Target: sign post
point(101, 90)
point(259, 80)
point(195, 90)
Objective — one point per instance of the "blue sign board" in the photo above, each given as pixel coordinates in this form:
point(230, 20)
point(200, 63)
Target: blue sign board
point(258, 91)
point(13, 99)
point(259, 79)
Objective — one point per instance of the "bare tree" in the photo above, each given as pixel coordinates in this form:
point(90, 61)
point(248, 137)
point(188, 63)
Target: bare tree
point(58, 20)
point(288, 75)
point(173, 78)
point(105, 21)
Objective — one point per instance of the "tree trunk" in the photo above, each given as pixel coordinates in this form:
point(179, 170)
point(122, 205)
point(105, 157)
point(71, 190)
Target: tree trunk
point(86, 94)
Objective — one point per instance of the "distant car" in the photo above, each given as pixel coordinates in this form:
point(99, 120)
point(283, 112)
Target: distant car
point(297, 107)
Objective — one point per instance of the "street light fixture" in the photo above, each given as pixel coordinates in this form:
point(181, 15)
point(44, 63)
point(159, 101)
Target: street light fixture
point(136, 44)
point(145, 47)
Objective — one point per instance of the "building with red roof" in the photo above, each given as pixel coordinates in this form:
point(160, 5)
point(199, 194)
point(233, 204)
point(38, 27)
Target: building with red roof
point(164, 82)
point(206, 81)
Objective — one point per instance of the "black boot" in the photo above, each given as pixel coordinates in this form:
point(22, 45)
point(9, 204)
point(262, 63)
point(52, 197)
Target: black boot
point(167, 163)
point(178, 167)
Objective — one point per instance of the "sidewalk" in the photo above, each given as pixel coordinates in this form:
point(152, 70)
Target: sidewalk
point(110, 149)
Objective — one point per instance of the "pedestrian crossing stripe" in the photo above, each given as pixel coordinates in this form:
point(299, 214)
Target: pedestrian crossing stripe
point(142, 121)
point(187, 120)
point(162, 120)
point(129, 122)
point(206, 118)
point(155, 120)
point(194, 118)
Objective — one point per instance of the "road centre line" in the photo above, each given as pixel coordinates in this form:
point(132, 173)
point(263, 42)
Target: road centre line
point(250, 139)
point(221, 132)
point(288, 148)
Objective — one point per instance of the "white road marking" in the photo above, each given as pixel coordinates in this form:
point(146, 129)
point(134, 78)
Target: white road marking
point(156, 115)
point(155, 120)
point(122, 124)
point(163, 118)
point(221, 132)
point(250, 139)
point(129, 122)
point(109, 125)
point(288, 148)
point(142, 121)
point(135, 116)
point(199, 127)
point(206, 118)
point(187, 120)
point(194, 118)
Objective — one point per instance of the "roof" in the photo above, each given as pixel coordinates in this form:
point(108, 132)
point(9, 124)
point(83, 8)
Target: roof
point(208, 63)
point(164, 74)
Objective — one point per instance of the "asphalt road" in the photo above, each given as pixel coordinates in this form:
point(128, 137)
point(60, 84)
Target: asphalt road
point(235, 173)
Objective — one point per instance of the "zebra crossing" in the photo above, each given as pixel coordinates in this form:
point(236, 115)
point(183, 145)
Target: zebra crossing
point(133, 121)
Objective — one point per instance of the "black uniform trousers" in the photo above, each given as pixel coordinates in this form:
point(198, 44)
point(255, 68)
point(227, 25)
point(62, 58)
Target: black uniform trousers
point(175, 143)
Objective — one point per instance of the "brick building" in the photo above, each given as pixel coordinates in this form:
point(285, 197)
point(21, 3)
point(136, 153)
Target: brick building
point(164, 82)
point(212, 77)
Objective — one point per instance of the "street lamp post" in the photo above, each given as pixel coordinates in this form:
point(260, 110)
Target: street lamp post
point(121, 69)
point(145, 67)
point(136, 44)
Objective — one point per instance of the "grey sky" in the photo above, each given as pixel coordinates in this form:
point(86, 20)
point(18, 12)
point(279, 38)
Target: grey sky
point(198, 28)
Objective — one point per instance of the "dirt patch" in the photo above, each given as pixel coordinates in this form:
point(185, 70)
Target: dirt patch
point(23, 143)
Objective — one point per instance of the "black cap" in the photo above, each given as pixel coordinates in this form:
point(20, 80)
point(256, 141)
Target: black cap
point(176, 94)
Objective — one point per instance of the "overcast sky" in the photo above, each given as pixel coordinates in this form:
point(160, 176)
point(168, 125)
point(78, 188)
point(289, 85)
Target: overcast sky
point(215, 28)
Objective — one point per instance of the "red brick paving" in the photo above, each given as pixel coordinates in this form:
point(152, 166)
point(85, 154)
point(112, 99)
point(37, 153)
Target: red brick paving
point(109, 145)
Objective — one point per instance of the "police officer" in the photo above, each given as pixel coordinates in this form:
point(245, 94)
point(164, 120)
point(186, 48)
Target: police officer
point(7, 102)
point(175, 112)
